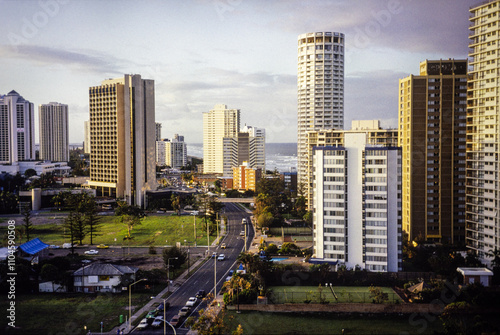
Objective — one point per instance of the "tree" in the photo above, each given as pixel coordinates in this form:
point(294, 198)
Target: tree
point(177, 257)
point(28, 226)
point(378, 296)
point(8, 202)
point(176, 202)
point(211, 320)
point(130, 215)
point(93, 220)
point(71, 225)
point(29, 173)
point(51, 273)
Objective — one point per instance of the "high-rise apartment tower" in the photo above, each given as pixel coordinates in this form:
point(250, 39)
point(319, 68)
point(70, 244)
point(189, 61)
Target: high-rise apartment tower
point(17, 129)
point(54, 136)
point(122, 138)
point(432, 125)
point(483, 132)
point(320, 90)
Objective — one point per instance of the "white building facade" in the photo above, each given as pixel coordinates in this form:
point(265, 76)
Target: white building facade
point(357, 204)
point(482, 216)
point(257, 147)
point(220, 127)
point(17, 129)
point(320, 89)
point(54, 136)
point(171, 152)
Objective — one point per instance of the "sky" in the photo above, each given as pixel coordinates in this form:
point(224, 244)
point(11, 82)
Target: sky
point(242, 53)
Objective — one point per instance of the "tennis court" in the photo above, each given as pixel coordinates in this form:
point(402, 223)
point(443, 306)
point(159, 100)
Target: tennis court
point(327, 294)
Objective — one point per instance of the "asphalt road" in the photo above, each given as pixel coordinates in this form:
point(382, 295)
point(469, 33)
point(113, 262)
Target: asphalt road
point(204, 278)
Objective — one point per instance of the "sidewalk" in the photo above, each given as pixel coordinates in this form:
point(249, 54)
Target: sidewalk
point(176, 284)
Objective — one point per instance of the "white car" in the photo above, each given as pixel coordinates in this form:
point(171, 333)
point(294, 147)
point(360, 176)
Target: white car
point(192, 301)
point(158, 321)
point(143, 324)
point(91, 252)
point(221, 257)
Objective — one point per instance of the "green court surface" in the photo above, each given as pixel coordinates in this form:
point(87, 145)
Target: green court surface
point(330, 294)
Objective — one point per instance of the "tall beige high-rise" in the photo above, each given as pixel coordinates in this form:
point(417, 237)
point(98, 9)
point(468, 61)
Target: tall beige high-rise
point(54, 136)
point(220, 139)
point(483, 132)
point(320, 91)
point(122, 138)
point(432, 125)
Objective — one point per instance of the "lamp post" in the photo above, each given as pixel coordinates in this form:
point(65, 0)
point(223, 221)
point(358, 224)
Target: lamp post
point(168, 271)
point(194, 216)
point(130, 303)
point(165, 319)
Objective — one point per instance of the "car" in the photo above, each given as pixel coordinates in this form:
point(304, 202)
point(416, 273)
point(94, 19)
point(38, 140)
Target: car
point(221, 257)
point(244, 221)
point(242, 233)
point(162, 306)
point(176, 321)
point(223, 246)
point(195, 213)
point(201, 294)
point(185, 311)
point(192, 302)
point(103, 246)
point(152, 314)
point(91, 252)
point(214, 254)
point(67, 245)
point(158, 321)
point(160, 212)
point(52, 246)
point(228, 278)
point(143, 324)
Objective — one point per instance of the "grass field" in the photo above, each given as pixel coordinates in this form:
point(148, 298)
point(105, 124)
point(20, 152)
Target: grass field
point(69, 313)
point(154, 230)
point(327, 323)
point(312, 294)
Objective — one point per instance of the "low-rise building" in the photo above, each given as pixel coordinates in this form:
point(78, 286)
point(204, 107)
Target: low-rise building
point(99, 277)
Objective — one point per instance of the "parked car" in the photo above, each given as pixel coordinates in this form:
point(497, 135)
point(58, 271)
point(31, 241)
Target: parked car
point(228, 278)
point(67, 245)
point(223, 246)
point(231, 272)
point(244, 221)
point(152, 314)
point(91, 252)
point(184, 311)
point(176, 321)
point(52, 246)
point(143, 324)
point(158, 321)
point(221, 257)
point(191, 301)
point(201, 294)
point(242, 233)
point(103, 246)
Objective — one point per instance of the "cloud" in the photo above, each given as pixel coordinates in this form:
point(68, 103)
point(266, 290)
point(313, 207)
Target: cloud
point(372, 96)
point(416, 26)
point(90, 61)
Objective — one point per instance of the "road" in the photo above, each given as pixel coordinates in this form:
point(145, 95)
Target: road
point(204, 278)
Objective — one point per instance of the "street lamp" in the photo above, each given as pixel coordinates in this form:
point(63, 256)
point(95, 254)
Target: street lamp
point(194, 216)
point(130, 303)
point(168, 272)
point(165, 319)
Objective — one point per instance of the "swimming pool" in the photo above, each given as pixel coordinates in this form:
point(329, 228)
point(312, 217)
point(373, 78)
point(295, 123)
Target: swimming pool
point(278, 259)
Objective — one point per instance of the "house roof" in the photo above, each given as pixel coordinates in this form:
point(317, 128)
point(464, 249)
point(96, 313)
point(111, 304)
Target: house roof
point(33, 247)
point(99, 269)
point(475, 271)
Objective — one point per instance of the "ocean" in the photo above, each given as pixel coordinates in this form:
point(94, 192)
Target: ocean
point(279, 156)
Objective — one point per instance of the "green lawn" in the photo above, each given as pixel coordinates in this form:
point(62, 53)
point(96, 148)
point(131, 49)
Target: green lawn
point(301, 294)
point(154, 230)
point(327, 323)
point(68, 313)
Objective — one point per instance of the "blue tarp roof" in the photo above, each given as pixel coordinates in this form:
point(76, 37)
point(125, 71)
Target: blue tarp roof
point(33, 247)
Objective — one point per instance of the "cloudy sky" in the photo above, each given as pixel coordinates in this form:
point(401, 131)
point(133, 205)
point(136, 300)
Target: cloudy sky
point(241, 53)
